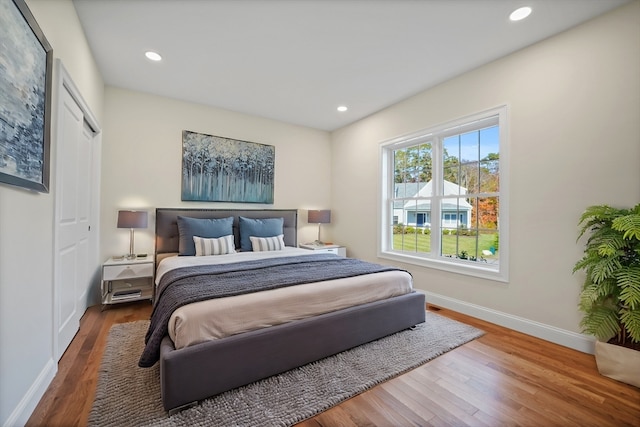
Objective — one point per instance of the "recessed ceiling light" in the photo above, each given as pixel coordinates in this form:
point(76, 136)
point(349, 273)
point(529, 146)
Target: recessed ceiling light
point(154, 56)
point(342, 108)
point(520, 13)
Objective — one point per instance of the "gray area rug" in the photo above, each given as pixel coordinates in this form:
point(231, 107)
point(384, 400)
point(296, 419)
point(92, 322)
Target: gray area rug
point(127, 395)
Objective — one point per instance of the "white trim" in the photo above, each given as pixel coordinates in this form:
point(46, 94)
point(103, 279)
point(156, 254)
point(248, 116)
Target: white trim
point(467, 268)
point(576, 341)
point(30, 400)
point(64, 78)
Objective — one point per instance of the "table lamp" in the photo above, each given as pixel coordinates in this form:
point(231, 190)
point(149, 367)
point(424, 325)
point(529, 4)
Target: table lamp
point(319, 217)
point(131, 220)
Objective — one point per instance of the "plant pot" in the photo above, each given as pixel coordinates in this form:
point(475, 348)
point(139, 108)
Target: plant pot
point(618, 363)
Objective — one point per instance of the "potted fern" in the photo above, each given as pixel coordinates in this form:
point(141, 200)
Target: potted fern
point(610, 296)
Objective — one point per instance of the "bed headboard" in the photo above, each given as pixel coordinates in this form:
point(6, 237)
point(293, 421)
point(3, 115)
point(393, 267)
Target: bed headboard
point(167, 238)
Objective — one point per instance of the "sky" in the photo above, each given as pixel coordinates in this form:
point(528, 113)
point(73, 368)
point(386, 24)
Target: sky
point(487, 139)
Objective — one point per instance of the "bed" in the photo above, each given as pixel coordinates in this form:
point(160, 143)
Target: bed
point(193, 368)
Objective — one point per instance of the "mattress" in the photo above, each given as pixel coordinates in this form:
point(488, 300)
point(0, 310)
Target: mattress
point(221, 317)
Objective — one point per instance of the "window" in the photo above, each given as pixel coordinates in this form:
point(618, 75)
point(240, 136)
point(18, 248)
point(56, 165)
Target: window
point(443, 198)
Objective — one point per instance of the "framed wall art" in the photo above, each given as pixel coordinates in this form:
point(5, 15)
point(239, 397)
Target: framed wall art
point(218, 169)
point(25, 98)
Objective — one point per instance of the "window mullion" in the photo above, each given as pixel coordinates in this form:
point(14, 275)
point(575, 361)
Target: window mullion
point(436, 187)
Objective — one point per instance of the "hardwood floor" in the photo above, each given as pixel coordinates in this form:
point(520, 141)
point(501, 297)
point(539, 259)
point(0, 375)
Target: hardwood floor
point(504, 378)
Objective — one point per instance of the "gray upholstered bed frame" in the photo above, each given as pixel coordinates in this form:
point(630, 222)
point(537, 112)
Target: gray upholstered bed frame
point(204, 370)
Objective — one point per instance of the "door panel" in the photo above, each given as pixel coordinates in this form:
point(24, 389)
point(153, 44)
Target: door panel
point(73, 212)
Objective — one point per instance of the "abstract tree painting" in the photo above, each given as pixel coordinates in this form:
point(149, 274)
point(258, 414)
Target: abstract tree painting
point(218, 169)
point(25, 98)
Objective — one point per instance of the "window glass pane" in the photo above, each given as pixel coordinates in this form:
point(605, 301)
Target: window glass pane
point(470, 147)
point(486, 213)
point(490, 175)
point(451, 165)
point(485, 227)
point(451, 150)
point(412, 232)
point(402, 236)
point(489, 141)
point(425, 163)
point(400, 165)
point(449, 242)
point(489, 160)
point(469, 178)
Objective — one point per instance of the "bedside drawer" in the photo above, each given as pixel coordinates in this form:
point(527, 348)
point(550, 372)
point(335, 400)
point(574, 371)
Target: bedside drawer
point(340, 251)
point(329, 251)
point(115, 272)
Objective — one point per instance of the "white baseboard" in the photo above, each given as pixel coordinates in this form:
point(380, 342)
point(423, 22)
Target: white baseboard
point(30, 400)
point(580, 342)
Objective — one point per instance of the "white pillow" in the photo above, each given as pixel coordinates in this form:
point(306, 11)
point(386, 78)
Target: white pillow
point(263, 244)
point(220, 246)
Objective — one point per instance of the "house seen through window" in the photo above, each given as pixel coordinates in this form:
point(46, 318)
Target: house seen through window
point(443, 201)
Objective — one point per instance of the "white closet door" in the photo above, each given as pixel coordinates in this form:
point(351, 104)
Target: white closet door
point(73, 214)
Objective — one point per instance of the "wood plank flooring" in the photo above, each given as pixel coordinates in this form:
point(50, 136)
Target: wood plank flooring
point(504, 378)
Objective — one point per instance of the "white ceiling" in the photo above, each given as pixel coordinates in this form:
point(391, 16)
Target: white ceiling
point(297, 60)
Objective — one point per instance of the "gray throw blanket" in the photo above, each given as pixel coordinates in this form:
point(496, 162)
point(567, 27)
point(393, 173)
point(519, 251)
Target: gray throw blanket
point(192, 284)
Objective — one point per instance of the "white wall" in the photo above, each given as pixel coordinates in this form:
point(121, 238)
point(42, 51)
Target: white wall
point(26, 239)
point(142, 160)
point(574, 108)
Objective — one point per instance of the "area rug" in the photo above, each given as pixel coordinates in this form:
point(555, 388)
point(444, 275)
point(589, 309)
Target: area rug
point(127, 395)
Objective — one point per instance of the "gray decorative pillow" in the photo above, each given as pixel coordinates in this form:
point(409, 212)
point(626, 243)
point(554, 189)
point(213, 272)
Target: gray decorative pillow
point(267, 227)
point(264, 244)
point(201, 227)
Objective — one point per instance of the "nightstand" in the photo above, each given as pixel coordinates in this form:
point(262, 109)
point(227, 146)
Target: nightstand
point(327, 249)
point(127, 280)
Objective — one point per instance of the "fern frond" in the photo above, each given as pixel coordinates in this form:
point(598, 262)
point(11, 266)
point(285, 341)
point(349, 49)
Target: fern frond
point(594, 217)
point(609, 289)
point(609, 244)
point(629, 225)
point(604, 268)
point(603, 294)
point(587, 262)
point(588, 297)
point(629, 282)
point(601, 322)
point(631, 322)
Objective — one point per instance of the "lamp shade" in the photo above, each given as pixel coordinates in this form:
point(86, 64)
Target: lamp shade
point(132, 219)
point(319, 217)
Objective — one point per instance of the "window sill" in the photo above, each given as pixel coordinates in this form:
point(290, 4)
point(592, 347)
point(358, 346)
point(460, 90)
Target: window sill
point(460, 268)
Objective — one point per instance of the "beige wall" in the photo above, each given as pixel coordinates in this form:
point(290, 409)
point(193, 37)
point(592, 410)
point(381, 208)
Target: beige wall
point(142, 157)
point(26, 238)
point(574, 103)
point(574, 108)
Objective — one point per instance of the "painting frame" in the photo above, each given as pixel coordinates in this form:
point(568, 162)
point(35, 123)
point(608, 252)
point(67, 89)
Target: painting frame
point(221, 169)
point(25, 107)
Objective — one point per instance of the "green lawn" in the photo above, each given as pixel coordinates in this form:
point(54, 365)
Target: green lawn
point(408, 242)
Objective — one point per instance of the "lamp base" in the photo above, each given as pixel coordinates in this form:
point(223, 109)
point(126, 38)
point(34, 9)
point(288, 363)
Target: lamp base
point(131, 255)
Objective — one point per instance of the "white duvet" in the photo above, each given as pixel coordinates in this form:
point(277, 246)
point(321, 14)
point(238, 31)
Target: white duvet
point(222, 317)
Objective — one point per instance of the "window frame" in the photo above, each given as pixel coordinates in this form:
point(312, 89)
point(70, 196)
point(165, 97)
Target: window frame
point(436, 135)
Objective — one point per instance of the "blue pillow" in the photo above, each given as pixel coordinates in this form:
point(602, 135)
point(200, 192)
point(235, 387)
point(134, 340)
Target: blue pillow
point(267, 227)
point(200, 227)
